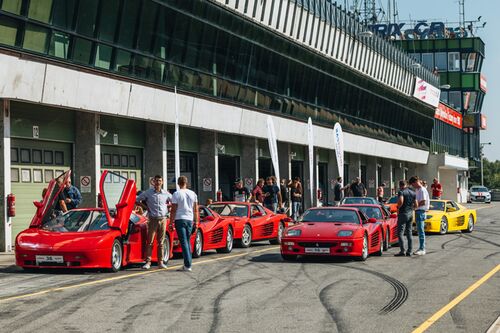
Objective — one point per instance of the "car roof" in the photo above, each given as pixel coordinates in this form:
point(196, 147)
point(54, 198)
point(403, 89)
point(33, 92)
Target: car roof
point(362, 205)
point(343, 207)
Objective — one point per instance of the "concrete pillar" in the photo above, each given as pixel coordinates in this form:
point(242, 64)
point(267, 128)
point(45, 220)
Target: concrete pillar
point(5, 186)
point(88, 155)
point(284, 159)
point(207, 166)
point(354, 167)
point(249, 160)
point(388, 177)
point(155, 153)
point(333, 173)
point(371, 176)
point(449, 181)
point(399, 172)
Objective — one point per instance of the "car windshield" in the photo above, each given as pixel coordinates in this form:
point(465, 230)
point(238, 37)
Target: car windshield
point(479, 189)
point(359, 200)
point(230, 210)
point(330, 215)
point(371, 212)
point(78, 221)
point(393, 200)
point(436, 205)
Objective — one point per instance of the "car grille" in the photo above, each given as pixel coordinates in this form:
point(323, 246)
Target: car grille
point(267, 229)
point(217, 235)
point(317, 244)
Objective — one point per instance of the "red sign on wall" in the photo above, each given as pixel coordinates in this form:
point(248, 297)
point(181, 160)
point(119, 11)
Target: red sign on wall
point(483, 122)
point(483, 83)
point(448, 115)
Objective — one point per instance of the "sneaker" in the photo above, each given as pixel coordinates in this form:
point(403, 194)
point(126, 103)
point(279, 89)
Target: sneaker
point(187, 269)
point(162, 265)
point(400, 254)
point(408, 254)
point(419, 252)
point(147, 266)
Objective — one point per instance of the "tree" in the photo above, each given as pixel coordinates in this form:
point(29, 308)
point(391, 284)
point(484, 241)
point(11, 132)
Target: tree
point(491, 174)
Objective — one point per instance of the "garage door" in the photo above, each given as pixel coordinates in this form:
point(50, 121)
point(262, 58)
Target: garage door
point(33, 165)
point(125, 161)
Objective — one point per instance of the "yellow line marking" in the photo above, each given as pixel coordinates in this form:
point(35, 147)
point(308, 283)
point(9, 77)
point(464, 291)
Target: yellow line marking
point(121, 277)
point(426, 324)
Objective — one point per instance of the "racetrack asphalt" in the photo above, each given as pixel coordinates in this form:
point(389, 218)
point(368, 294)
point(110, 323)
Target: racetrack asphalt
point(252, 290)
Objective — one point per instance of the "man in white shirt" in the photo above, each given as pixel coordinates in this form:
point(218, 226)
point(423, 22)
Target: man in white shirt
point(422, 197)
point(186, 215)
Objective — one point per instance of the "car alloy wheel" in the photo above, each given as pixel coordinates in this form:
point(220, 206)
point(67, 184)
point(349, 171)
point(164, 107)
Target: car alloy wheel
point(198, 245)
point(444, 226)
point(386, 240)
point(364, 252)
point(166, 250)
point(470, 224)
point(116, 256)
point(277, 240)
point(229, 242)
point(246, 236)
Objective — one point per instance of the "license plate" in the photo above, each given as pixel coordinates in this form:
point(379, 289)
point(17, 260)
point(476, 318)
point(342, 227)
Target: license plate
point(317, 250)
point(480, 198)
point(49, 259)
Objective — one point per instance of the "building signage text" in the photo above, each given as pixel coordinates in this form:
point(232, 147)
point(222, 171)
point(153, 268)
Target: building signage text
point(426, 92)
point(421, 30)
point(448, 115)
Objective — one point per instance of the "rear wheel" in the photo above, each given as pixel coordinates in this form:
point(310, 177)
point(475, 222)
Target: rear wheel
point(277, 240)
point(116, 256)
point(386, 240)
point(229, 242)
point(166, 250)
point(470, 224)
point(198, 244)
point(246, 236)
point(289, 257)
point(380, 247)
point(443, 229)
point(364, 252)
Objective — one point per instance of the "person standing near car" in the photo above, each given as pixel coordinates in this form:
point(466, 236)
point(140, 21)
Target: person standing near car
point(257, 195)
point(437, 189)
point(240, 192)
point(422, 206)
point(186, 216)
point(380, 193)
point(358, 188)
point(296, 196)
point(406, 203)
point(272, 195)
point(69, 198)
point(338, 192)
point(155, 201)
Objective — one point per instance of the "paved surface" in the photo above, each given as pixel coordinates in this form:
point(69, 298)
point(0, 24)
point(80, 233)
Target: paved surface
point(253, 290)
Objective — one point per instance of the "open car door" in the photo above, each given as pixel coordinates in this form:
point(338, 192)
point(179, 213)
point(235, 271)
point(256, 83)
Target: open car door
point(46, 209)
point(118, 199)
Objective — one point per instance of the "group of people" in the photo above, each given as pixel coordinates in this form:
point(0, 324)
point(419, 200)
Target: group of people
point(354, 189)
point(288, 194)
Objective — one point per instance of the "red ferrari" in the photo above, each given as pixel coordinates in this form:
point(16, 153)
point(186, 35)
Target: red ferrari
point(333, 231)
point(389, 222)
point(89, 237)
point(252, 222)
point(213, 233)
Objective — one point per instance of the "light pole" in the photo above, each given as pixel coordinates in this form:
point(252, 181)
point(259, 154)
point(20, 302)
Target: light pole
point(481, 145)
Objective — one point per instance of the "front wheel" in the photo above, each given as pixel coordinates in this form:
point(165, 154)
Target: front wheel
point(386, 240)
point(443, 229)
point(380, 250)
point(198, 245)
point(229, 242)
point(246, 236)
point(364, 253)
point(277, 240)
point(166, 250)
point(470, 225)
point(116, 256)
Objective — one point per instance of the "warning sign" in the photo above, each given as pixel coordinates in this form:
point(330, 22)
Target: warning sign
point(207, 184)
point(249, 182)
point(85, 184)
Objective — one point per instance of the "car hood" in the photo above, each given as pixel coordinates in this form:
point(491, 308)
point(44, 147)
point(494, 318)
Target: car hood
point(480, 193)
point(37, 239)
point(323, 229)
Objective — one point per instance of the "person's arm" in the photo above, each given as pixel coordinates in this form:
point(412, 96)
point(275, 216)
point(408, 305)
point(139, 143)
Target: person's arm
point(63, 206)
point(365, 191)
point(400, 201)
point(173, 210)
point(196, 214)
point(78, 197)
point(415, 204)
point(280, 200)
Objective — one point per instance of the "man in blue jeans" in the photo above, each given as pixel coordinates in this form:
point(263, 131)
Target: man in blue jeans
point(422, 197)
point(186, 215)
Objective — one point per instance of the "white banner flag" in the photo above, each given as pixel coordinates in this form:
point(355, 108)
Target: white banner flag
point(310, 140)
point(338, 143)
point(273, 148)
point(176, 143)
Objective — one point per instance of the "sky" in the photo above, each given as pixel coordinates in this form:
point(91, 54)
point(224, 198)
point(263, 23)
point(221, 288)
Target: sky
point(448, 10)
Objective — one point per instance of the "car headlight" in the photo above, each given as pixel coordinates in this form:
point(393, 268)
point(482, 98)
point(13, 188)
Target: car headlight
point(344, 233)
point(294, 232)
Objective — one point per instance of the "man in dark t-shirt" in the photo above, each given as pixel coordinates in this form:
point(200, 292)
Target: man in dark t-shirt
point(338, 191)
point(272, 195)
point(358, 188)
point(240, 192)
point(407, 201)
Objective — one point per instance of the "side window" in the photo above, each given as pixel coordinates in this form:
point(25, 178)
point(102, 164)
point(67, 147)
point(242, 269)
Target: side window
point(254, 210)
point(364, 219)
point(261, 209)
point(203, 213)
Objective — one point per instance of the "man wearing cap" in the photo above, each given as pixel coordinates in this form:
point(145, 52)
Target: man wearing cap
point(240, 192)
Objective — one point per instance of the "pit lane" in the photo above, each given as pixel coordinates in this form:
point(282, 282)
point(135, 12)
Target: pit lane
point(254, 290)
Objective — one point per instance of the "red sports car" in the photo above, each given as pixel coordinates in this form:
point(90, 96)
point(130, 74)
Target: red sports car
point(213, 233)
point(389, 221)
point(333, 231)
point(108, 237)
point(252, 222)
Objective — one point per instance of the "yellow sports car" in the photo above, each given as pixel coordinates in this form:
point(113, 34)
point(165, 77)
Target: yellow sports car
point(447, 215)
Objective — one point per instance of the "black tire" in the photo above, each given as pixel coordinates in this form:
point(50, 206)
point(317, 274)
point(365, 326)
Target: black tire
point(443, 229)
point(166, 250)
point(31, 270)
point(281, 229)
point(116, 256)
point(229, 242)
point(289, 257)
point(386, 240)
point(380, 250)
point(364, 254)
point(246, 236)
point(470, 225)
point(198, 244)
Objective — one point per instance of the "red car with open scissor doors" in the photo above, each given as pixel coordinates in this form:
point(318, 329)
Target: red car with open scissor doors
point(213, 233)
point(252, 222)
point(389, 221)
point(333, 231)
point(109, 237)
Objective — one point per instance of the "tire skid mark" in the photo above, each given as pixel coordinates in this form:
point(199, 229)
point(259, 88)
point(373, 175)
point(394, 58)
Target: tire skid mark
point(483, 240)
point(491, 255)
point(218, 301)
point(332, 311)
point(400, 290)
point(459, 236)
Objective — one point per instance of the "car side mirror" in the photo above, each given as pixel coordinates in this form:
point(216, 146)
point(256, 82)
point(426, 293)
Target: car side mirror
point(393, 216)
point(256, 214)
point(209, 219)
point(287, 220)
point(37, 204)
point(372, 220)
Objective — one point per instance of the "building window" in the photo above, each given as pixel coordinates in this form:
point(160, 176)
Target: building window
point(132, 161)
point(103, 56)
point(37, 156)
point(107, 22)
point(48, 157)
point(441, 61)
point(87, 12)
point(468, 62)
point(48, 175)
point(59, 45)
point(14, 155)
point(455, 99)
point(40, 10)
point(116, 160)
point(8, 31)
point(63, 13)
point(14, 175)
point(12, 6)
point(124, 161)
point(428, 60)
point(106, 160)
point(59, 158)
point(82, 49)
point(35, 38)
point(25, 156)
point(453, 61)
